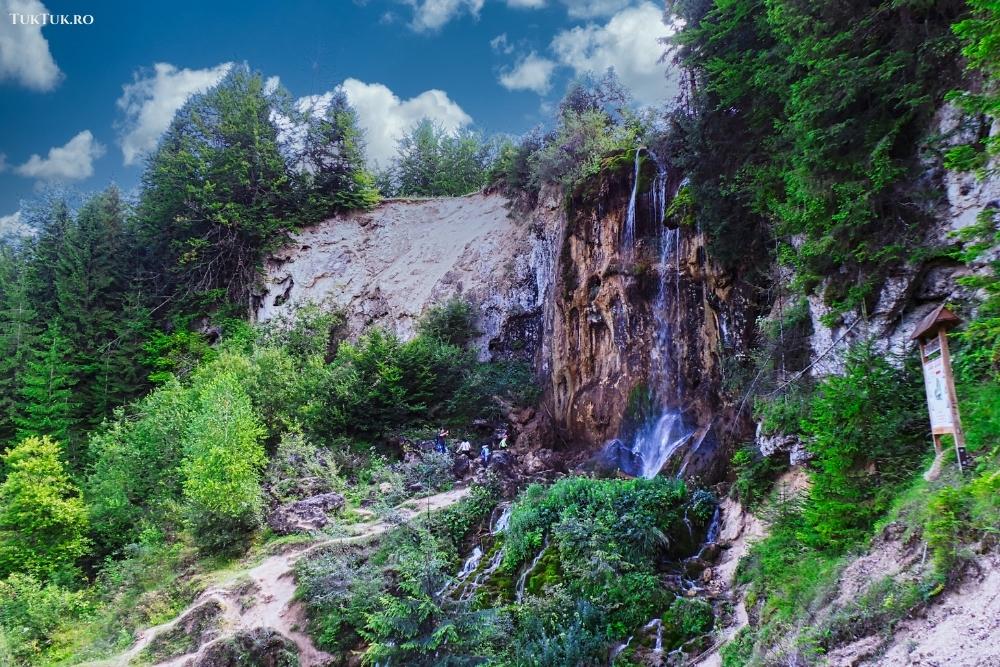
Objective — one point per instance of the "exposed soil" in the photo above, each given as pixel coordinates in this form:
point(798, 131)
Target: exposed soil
point(261, 598)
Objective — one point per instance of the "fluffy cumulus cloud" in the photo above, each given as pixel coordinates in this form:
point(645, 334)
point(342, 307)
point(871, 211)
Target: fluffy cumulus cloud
point(530, 73)
point(430, 15)
point(385, 117)
point(73, 161)
point(151, 100)
point(24, 52)
point(628, 42)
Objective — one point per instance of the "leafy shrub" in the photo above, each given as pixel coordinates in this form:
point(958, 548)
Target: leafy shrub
point(222, 463)
point(43, 521)
point(133, 484)
point(754, 475)
point(31, 613)
point(299, 469)
point(686, 618)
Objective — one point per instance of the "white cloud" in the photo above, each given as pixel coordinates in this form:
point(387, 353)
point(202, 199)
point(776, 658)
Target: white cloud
point(530, 73)
point(629, 42)
point(430, 15)
point(385, 117)
point(501, 44)
point(72, 162)
point(588, 9)
point(3, 162)
point(526, 4)
point(151, 100)
point(12, 226)
point(24, 53)
point(271, 84)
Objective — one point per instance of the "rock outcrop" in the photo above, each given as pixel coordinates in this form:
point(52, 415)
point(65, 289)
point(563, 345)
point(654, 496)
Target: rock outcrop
point(385, 267)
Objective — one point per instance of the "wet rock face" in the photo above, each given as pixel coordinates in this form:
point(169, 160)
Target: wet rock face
point(627, 323)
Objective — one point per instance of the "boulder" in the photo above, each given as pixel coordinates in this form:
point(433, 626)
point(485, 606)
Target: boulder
point(304, 515)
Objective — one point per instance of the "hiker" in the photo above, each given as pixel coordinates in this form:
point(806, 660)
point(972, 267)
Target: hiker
point(484, 454)
point(440, 445)
point(503, 440)
point(465, 448)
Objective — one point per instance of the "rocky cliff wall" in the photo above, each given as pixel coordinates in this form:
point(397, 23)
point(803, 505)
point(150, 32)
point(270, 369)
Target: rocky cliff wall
point(616, 330)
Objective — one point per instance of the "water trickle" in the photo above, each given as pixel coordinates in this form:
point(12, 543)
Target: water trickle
point(471, 587)
point(628, 230)
point(502, 521)
point(713, 528)
point(522, 581)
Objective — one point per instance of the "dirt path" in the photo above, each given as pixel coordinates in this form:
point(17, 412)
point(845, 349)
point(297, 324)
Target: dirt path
point(262, 597)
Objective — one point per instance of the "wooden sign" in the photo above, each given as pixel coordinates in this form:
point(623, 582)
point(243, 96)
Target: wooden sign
point(942, 402)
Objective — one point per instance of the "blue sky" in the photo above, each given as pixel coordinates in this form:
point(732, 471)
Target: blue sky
point(81, 105)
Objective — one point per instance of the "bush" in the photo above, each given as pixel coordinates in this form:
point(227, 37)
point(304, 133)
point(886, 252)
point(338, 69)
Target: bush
point(755, 475)
point(31, 613)
point(43, 521)
point(222, 464)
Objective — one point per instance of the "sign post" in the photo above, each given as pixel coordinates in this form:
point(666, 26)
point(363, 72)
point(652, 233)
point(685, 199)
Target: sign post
point(942, 401)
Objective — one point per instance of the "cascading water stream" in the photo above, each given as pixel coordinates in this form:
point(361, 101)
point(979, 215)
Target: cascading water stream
point(628, 230)
point(660, 438)
point(522, 581)
point(473, 562)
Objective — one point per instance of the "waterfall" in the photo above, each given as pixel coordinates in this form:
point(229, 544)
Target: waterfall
point(656, 442)
point(473, 562)
point(628, 231)
point(660, 437)
point(468, 567)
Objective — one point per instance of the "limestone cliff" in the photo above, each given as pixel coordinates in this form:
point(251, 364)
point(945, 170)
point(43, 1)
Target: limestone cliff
point(618, 323)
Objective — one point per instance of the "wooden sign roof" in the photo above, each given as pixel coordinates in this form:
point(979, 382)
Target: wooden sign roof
point(936, 319)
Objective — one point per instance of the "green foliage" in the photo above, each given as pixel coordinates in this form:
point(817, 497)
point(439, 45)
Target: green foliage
point(806, 125)
point(48, 406)
point(979, 33)
point(686, 618)
point(866, 430)
point(298, 469)
point(331, 174)
point(608, 535)
point(133, 485)
point(453, 323)
point(754, 475)
point(31, 612)
point(43, 521)
point(221, 468)
point(434, 162)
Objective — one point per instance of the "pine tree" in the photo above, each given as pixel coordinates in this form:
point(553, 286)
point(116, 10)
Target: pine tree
point(216, 195)
point(46, 406)
point(89, 288)
point(18, 336)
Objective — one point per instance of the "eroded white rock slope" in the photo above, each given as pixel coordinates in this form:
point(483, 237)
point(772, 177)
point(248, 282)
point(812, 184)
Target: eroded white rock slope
point(386, 266)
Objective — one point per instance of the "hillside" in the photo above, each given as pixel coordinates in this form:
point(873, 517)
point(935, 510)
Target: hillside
point(635, 389)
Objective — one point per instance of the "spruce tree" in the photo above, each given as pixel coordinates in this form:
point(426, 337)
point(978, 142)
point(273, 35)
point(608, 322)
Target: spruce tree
point(18, 336)
point(89, 288)
point(46, 405)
